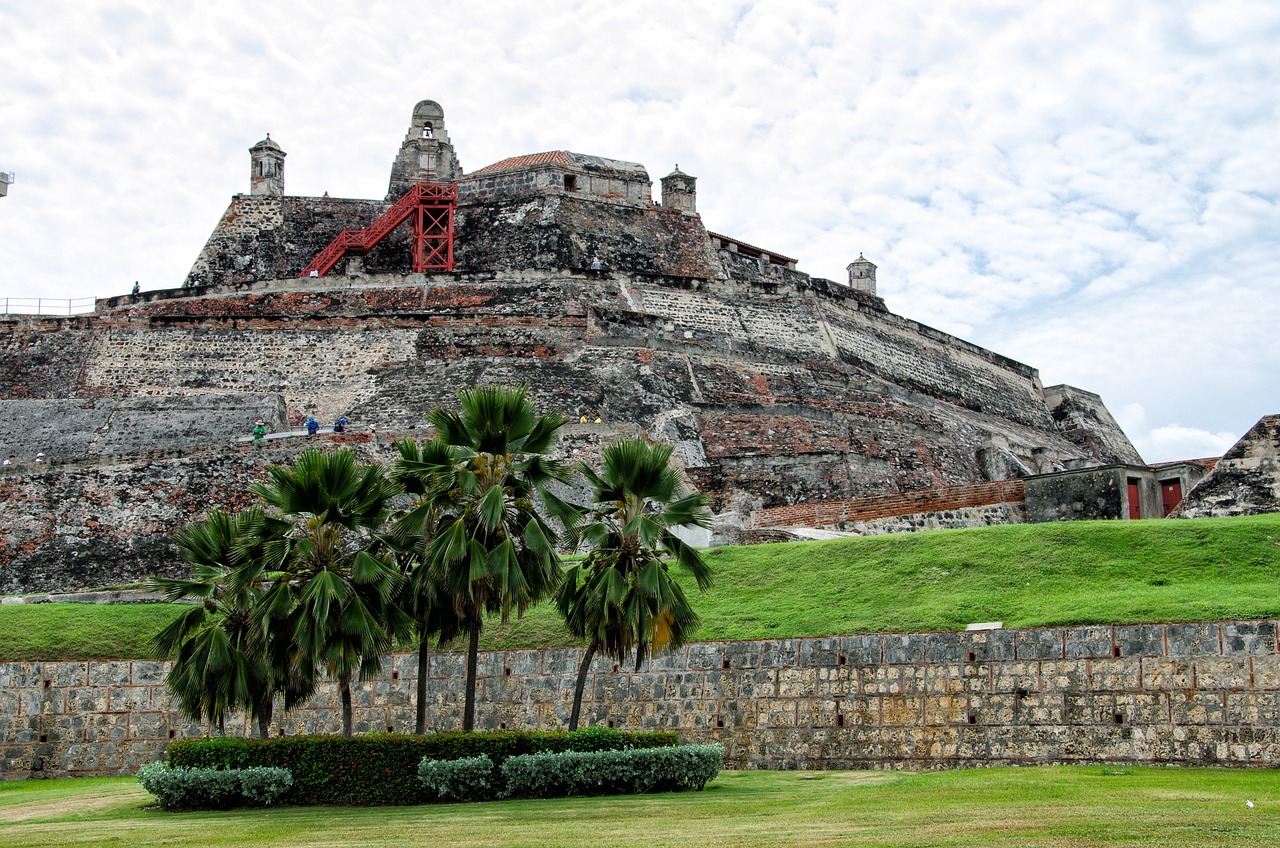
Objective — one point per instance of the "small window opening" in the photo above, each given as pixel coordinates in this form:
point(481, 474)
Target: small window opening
point(426, 131)
point(841, 660)
point(973, 719)
point(282, 731)
point(1118, 718)
point(502, 726)
point(44, 737)
point(839, 720)
point(173, 734)
point(395, 675)
point(973, 657)
point(615, 668)
point(570, 182)
point(507, 671)
point(610, 722)
point(724, 663)
point(390, 729)
point(1115, 650)
point(719, 721)
point(48, 684)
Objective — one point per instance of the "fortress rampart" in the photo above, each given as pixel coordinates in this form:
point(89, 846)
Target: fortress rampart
point(1185, 694)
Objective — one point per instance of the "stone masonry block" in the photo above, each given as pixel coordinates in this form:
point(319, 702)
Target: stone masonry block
point(1249, 637)
point(991, 645)
point(1122, 674)
point(1256, 709)
point(1166, 674)
point(1223, 673)
point(1067, 675)
point(797, 682)
point(780, 652)
point(1091, 641)
point(1196, 708)
point(820, 652)
point(947, 647)
point(1019, 676)
point(1043, 644)
point(862, 650)
point(904, 647)
point(148, 672)
point(707, 655)
point(109, 673)
point(1140, 640)
point(743, 654)
point(1194, 639)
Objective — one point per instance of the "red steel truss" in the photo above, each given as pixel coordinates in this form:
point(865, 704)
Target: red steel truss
point(430, 205)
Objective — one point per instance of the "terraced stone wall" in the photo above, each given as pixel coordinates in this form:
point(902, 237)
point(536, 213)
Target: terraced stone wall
point(1187, 694)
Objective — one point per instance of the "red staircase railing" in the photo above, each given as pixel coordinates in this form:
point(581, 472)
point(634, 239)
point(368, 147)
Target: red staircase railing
point(431, 206)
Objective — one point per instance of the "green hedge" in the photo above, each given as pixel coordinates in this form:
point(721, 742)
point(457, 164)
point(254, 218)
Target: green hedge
point(214, 789)
point(382, 769)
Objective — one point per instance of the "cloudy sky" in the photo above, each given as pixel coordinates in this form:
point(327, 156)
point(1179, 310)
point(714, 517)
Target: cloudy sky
point(1088, 187)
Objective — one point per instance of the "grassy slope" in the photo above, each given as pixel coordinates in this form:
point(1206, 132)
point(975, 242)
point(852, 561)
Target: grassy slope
point(1024, 575)
point(1025, 807)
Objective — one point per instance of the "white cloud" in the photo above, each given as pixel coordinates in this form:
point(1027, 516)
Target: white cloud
point(1089, 188)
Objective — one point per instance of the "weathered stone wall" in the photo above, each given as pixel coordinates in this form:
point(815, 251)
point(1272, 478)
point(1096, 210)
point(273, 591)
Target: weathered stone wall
point(108, 521)
point(1189, 694)
point(77, 428)
point(928, 508)
point(1246, 481)
point(758, 385)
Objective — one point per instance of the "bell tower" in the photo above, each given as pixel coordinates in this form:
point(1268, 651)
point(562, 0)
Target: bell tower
point(426, 155)
point(266, 168)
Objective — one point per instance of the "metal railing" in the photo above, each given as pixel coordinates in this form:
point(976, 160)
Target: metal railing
point(45, 305)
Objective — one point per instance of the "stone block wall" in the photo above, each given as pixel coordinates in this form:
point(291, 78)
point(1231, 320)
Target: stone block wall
point(1203, 693)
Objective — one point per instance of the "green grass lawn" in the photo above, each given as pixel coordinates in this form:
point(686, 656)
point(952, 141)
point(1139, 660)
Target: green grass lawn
point(1024, 575)
point(1024, 807)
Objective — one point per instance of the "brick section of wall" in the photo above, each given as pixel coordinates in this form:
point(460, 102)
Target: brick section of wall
point(1188, 694)
point(839, 511)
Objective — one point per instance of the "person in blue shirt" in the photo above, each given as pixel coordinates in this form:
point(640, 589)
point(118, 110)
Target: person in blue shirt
point(313, 426)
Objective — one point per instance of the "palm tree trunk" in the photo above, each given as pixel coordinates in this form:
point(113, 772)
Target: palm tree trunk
point(469, 706)
point(265, 709)
point(344, 681)
point(583, 667)
point(420, 720)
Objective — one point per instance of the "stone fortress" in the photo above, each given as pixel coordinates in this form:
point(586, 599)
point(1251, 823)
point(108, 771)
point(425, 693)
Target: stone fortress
point(795, 401)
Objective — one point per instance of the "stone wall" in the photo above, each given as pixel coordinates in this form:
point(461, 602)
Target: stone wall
point(1188, 694)
point(925, 506)
point(1246, 481)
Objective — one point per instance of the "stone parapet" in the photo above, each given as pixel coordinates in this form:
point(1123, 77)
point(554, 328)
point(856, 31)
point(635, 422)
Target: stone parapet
point(1200, 693)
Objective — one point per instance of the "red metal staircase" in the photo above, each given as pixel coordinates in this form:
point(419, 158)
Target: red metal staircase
point(430, 205)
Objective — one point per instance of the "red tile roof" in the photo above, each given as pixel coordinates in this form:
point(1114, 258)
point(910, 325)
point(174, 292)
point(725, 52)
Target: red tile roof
point(553, 157)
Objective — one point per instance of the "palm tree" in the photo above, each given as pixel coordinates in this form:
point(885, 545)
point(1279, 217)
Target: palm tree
point(221, 662)
point(622, 596)
point(492, 551)
point(329, 592)
point(423, 598)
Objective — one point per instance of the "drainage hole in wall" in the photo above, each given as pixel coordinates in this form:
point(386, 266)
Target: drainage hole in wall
point(507, 672)
point(839, 720)
point(719, 722)
point(973, 719)
point(1118, 718)
point(173, 734)
point(395, 675)
point(973, 657)
point(1115, 650)
point(48, 683)
point(615, 668)
point(390, 729)
point(610, 722)
point(44, 737)
point(502, 726)
point(841, 660)
point(1021, 693)
point(724, 664)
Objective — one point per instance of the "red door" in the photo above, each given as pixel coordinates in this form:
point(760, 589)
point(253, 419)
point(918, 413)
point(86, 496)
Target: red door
point(1170, 495)
point(1135, 504)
